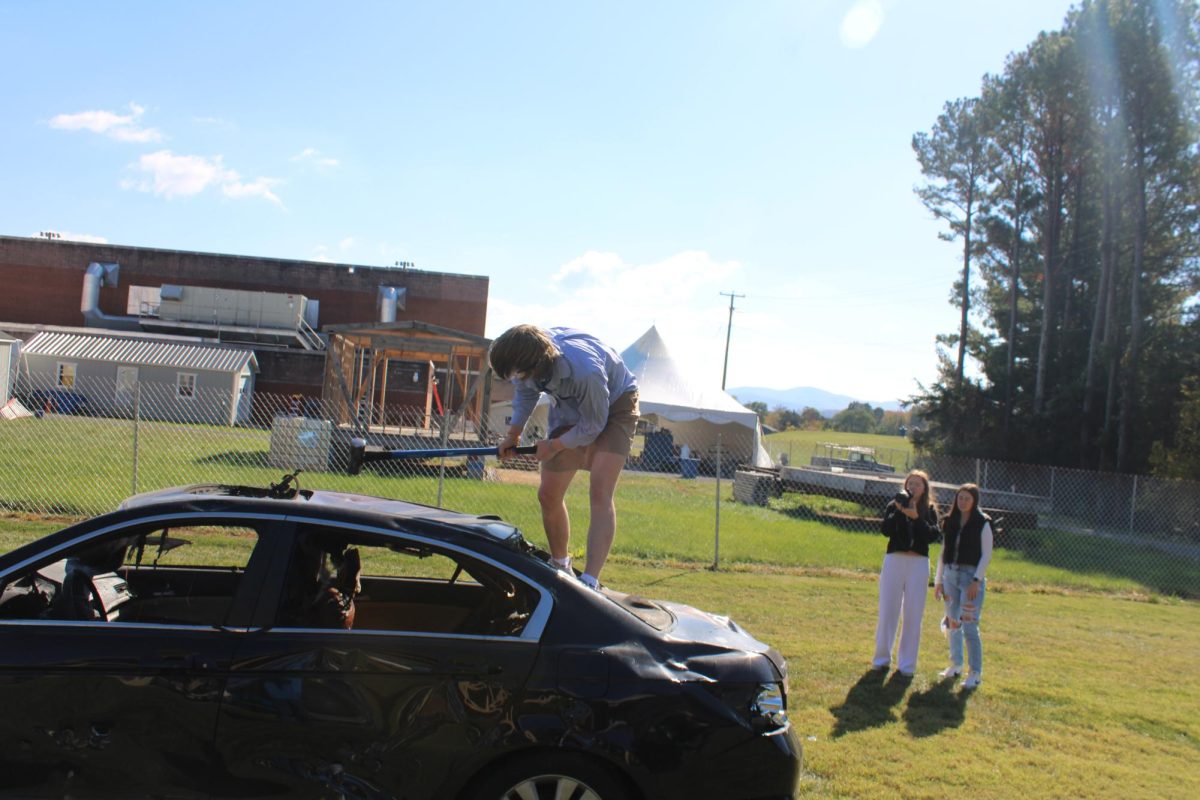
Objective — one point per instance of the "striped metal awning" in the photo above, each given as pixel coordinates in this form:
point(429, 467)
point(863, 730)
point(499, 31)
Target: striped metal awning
point(142, 352)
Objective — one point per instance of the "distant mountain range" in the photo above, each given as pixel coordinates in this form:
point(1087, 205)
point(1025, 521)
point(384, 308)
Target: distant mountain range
point(800, 397)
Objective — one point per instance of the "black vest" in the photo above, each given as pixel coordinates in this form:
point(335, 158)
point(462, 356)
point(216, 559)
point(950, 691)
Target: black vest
point(964, 545)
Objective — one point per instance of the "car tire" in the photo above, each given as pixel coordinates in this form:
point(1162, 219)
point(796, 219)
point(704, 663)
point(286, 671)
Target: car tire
point(564, 776)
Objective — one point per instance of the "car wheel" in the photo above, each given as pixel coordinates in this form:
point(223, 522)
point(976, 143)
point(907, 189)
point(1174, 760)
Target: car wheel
point(551, 777)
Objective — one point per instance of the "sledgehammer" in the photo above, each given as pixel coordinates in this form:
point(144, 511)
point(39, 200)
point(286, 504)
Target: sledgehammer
point(360, 454)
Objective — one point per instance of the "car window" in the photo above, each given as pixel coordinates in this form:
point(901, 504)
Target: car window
point(177, 575)
point(211, 546)
point(351, 581)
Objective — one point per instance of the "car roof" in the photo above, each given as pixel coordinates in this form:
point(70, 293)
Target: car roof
point(332, 505)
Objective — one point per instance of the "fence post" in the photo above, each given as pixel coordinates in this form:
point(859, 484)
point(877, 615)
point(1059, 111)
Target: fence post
point(137, 398)
point(717, 533)
point(985, 472)
point(1133, 503)
point(445, 438)
point(977, 472)
point(1052, 489)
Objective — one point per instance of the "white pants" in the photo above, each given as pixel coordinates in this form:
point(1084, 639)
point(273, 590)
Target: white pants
point(903, 584)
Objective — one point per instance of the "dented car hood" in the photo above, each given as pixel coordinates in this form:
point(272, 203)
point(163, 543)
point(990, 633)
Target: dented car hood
point(695, 645)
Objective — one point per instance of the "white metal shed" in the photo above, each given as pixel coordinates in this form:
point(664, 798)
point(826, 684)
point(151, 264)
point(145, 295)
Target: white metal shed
point(168, 378)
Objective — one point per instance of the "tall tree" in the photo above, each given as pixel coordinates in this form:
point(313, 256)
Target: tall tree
point(1008, 127)
point(1158, 141)
point(1095, 37)
point(1052, 96)
point(1086, 243)
point(952, 160)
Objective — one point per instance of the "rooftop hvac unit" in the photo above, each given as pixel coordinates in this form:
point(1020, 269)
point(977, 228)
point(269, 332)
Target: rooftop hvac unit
point(232, 307)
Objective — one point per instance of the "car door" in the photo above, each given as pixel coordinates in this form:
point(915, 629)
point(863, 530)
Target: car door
point(421, 682)
point(110, 683)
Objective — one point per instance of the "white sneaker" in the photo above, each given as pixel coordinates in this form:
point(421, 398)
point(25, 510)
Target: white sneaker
point(589, 581)
point(951, 671)
point(563, 564)
point(972, 681)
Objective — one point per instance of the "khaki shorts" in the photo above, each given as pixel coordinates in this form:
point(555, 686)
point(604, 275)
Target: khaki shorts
point(617, 437)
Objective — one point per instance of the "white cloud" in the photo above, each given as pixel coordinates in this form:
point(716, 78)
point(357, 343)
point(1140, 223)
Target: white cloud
point(783, 333)
point(259, 187)
point(215, 121)
point(313, 156)
point(861, 23)
point(346, 243)
point(122, 127)
point(617, 301)
point(605, 277)
point(173, 175)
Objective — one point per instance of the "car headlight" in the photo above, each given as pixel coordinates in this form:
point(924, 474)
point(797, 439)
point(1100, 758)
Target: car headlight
point(769, 706)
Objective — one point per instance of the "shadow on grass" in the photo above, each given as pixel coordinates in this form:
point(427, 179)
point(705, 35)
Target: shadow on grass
point(869, 702)
point(672, 576)
point(237, 458)
point(936, 709)
point(1120, 557)
point(418, 469)
point(854, 522)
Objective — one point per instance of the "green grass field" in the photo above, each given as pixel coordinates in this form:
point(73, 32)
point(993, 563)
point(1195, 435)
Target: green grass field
point(1090, 682)
point(800, 446)
point(662, 517)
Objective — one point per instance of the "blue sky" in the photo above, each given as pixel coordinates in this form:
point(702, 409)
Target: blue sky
point(608, 165)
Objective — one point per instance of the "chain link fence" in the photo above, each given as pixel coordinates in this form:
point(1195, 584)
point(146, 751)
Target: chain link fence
point(79, 450)
point(1090, 523)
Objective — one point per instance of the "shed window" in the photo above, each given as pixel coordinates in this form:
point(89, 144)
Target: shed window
point(185, 386)
point(66, 375)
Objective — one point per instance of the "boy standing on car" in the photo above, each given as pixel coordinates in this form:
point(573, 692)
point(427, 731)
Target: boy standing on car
point(591, 426)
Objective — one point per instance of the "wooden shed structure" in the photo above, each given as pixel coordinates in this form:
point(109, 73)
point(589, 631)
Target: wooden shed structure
point(458, 382)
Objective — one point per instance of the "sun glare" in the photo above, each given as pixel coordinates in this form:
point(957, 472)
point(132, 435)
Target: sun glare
point(861, 23)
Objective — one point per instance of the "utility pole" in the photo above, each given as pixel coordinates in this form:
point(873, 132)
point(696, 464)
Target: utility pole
point(728, 331)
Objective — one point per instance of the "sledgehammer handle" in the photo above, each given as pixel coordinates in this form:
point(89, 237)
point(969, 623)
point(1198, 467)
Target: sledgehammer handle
point(360, 455)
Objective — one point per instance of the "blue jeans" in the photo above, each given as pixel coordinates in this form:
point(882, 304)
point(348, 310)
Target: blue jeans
point(964, 615)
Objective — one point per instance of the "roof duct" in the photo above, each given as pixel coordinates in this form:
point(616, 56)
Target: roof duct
point(390, 298)
point(98, 275)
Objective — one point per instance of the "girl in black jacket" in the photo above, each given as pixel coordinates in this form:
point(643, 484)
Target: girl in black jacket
point(911, 524)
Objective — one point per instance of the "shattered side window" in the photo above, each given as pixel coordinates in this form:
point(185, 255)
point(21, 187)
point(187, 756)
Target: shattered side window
point(354, 581)
point(179, 575)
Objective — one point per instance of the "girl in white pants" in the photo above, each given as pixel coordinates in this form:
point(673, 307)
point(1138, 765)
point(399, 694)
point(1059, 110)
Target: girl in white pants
point(910, 522)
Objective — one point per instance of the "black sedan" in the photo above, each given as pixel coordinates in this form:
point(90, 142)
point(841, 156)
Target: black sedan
point(223, 641)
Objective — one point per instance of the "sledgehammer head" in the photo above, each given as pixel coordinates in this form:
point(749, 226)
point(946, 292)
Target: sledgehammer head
point(358, 450)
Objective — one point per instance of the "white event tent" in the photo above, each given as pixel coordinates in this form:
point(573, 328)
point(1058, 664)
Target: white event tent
point(695, 415)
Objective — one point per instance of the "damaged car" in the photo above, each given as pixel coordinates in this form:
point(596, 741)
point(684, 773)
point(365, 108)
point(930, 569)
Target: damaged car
point(231, 641)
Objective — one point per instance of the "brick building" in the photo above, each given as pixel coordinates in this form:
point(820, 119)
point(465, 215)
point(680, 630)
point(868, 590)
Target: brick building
point(45, 282)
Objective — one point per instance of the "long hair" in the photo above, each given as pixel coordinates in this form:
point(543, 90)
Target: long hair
point(954, 518)
point(523, 348)
point(926, 502)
